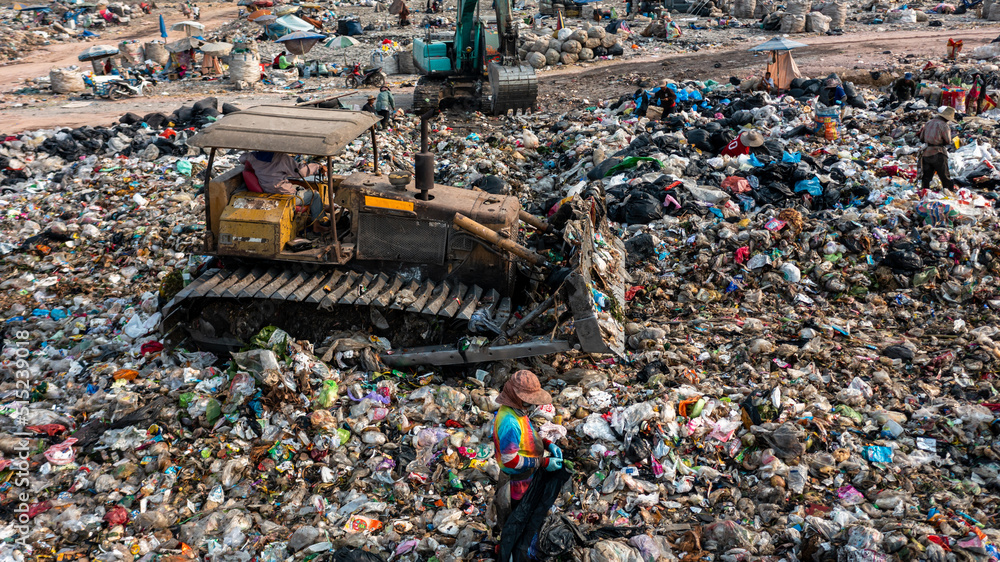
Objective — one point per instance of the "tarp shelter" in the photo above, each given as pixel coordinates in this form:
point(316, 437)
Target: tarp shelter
point(780, 63)
point(287, 24)
point(97, 52)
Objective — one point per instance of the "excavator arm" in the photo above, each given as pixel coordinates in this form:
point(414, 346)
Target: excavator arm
point(507, 28)
point(467, 38)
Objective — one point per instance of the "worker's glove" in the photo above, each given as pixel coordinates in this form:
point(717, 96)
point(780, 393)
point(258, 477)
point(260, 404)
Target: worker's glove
point(554, 464)
point(555, 450)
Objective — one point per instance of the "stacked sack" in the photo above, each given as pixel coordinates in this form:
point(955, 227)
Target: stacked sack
point(568, 46)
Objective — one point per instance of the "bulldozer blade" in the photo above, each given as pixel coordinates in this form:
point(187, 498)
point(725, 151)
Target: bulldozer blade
point(512, 88)
point(596, 285)
point(451, 355)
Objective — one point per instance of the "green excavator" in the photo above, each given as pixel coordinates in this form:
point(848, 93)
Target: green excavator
point(454, 69)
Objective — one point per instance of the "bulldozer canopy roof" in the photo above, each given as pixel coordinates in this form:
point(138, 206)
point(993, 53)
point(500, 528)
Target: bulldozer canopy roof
point(294, 130)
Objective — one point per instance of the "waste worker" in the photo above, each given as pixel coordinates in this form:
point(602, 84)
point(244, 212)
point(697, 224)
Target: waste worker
point(520, 450)
point(743, 144)
point(665, 98)
point(767, 84)
point(934, 157)
point(281, 61)
point(274, 170)
point(905, 88)
point(385, 105)
point(369, 105)
point(835, 92)
point(404, 16)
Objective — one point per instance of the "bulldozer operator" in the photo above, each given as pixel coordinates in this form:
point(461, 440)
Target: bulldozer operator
point(271, 172)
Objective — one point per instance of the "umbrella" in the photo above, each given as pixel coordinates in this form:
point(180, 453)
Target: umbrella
point(254, 16)
point(219, 49)
point(285, 10)
point(299, 42)
point(188, 27)
point(185, 44)
point(778, 44)
point(163, 27)
point(310, 6)
point(98, 52)
point(342, 42)
point(266, 20)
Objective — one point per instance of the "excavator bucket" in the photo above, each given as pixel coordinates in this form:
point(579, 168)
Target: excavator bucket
point(512, 88)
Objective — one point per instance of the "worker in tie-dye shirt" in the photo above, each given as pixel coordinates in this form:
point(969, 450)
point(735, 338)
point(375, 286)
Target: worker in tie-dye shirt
point(520, 450)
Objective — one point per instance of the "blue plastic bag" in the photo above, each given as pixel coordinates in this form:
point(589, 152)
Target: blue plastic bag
point(791, 157)
point(876, 453)
point(810, 186)
point(755, 162)
point(695, 95)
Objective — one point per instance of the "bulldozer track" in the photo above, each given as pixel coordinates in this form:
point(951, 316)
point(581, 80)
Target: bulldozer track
point(330, 289)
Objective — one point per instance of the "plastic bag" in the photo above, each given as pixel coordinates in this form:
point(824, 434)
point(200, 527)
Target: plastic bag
point(811, 186)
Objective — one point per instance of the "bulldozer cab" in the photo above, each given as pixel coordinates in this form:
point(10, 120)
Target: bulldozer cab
point(244, 223)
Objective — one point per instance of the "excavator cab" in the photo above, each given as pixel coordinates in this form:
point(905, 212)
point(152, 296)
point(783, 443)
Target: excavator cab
point(393, 244)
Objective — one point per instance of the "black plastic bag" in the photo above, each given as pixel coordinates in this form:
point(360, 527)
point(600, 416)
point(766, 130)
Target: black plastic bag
point(700, 138)
point(528, 517)
point(642, 208)
point(347, 554)
point(903, 261)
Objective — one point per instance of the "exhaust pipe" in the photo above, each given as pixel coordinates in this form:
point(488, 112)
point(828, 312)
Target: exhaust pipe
point(423, 165)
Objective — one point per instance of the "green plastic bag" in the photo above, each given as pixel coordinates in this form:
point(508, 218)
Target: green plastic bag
point(213, 411)
point(186, 398)
point(631, 162)
point(184, 167)
point(328, 394)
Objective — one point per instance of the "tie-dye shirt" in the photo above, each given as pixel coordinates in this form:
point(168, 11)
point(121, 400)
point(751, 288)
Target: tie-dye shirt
point(519, 449)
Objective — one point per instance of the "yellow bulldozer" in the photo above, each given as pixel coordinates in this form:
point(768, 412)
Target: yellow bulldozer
point(448, 275)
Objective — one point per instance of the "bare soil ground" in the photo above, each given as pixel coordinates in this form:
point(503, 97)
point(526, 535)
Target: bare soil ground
point(865, 51)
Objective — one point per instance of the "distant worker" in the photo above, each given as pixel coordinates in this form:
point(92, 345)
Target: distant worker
point(743, 144)
point(385, 105)
point(835, 93)
point(274, 170)
point(905, 88)
point(369, 106)
point(404, 16)
point(934, 157)
point(977, 95)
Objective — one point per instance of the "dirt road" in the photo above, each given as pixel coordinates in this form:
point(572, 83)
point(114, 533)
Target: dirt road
point(824, 54)
point(600, 80)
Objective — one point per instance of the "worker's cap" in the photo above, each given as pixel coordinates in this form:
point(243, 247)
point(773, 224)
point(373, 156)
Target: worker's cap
point(370, 98)
point(525, 385)
point(948, 113)
point(753, 139)
point(383, 88)
point(908, 75)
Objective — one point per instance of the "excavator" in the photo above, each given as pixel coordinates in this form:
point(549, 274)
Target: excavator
point(453, 69)
point(445, 275)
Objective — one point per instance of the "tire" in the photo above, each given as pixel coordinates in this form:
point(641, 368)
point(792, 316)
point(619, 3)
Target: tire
point(116, 93)
point(351, 82)
point(378, 79)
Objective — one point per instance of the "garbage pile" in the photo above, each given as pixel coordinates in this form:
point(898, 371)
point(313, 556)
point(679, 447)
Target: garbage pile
point(812, 344)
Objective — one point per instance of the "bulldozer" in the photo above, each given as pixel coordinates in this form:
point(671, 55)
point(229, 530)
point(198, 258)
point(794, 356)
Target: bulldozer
point(450, 275)
point(454, 69)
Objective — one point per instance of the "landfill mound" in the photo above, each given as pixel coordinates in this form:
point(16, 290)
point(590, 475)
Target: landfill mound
point(810, 373)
